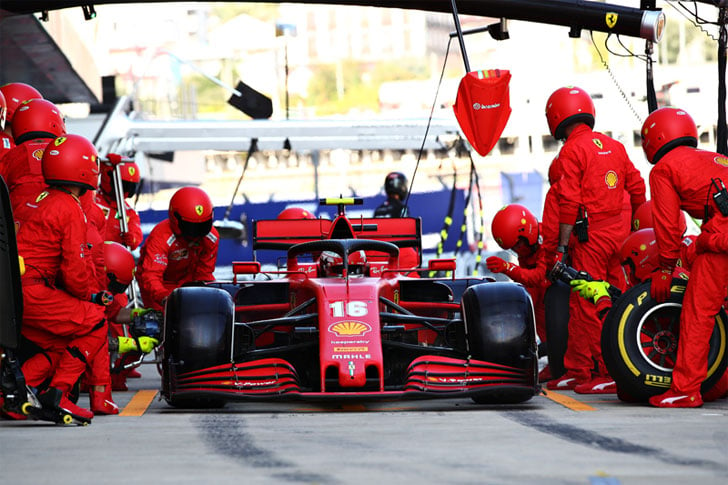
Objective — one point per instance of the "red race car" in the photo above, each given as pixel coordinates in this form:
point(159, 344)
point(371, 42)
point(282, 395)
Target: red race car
point(349, 315)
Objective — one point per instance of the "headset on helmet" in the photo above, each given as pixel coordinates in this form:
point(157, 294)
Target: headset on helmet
point(295, 213)
point(513, 222)
point(566, 106)
point(642, 218)
point(16, 94)
point(639, 255)
point(3, 111)
point(665, 129)
point(119, 265)
point(396, 184)
point(190, 212)
point(71, 160)
point(130, 177)
point(37, 118)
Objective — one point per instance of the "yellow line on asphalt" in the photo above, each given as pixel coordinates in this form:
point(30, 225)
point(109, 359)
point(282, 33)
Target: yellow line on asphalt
point(139, 403)
point(568, 402)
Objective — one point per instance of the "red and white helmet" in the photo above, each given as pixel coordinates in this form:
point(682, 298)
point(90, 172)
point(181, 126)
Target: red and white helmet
point(295, 213)
point(16, 94)
point(642, 218)
point(665, 129)
point(190, 212)
point(119, 265)
point(512, 223)
point(130, 177)
point(37, 118)
point(333, 265)
point(71, 160)
point(639, 255)
point(566, 106)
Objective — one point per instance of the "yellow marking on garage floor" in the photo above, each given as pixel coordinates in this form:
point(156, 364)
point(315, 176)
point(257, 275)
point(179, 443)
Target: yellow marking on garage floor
point(568, 402)
point(139, 403)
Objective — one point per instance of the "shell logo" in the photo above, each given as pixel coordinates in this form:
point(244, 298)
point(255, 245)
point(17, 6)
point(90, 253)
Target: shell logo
point(199, 210)
point(38, 154)
point(611, 179)
point(349, 329)
point(721, 161)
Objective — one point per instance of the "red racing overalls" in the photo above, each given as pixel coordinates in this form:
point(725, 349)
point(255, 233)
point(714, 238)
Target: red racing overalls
point(596, 173)
point(167, 261)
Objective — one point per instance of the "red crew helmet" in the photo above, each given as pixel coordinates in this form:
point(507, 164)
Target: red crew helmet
point(566, 106)
point(16, 94)
point(71, 160)
point(190, 212)
point(37, 118)
point(119, 265)
point(639, 255)
point(130, 177)
point(513, 222)
point(295, 213)
point(642, 218)
point(665, 129)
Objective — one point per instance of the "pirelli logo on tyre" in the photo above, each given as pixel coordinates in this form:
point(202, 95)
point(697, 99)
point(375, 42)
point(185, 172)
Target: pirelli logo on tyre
point(657, 381)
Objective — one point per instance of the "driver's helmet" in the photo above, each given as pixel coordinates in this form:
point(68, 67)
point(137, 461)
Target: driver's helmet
point(119, 265)
point(639, 255)
point(333, 265)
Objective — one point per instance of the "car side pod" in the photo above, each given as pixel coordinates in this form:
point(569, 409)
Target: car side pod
point(500, 329)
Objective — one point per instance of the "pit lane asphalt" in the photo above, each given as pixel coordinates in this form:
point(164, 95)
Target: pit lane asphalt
point(562, 438)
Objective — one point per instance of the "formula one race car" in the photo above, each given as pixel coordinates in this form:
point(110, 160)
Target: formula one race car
point(347, 317)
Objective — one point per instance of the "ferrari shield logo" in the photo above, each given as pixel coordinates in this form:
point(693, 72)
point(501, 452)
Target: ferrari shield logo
point(598, 142)
point(59, 141)
point(199, 210)
point(132, 171)
point(611, 19)
point(41, 196)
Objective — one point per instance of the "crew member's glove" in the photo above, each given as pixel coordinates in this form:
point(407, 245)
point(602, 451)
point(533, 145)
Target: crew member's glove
point(103, 298)
point(145, 344)
point(138, 312)
point(591, 290)
point(129, 240)
point(709, 242)
point(661, 284)
point(499, 265)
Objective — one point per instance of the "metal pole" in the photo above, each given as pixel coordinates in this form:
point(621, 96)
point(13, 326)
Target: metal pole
point(461, 40)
